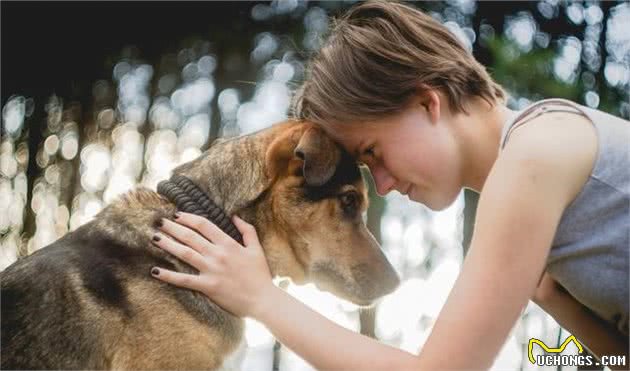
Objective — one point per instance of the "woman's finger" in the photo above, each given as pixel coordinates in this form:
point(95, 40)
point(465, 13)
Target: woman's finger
point(205, 228)
point(182, 252)
point(186, 236)
point(188, 281)
point(250, 237)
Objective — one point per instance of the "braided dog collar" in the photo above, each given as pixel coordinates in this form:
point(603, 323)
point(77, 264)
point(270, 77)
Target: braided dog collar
point(190, 198)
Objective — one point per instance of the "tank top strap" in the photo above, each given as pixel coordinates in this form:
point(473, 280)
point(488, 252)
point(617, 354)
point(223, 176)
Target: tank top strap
point(540, 108)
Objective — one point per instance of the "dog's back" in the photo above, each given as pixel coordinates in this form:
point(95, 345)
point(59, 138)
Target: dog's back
point(87, 302)
point(36, 294)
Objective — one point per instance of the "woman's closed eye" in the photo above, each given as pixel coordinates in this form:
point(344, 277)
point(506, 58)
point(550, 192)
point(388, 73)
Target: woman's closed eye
point(368, 153)
point(366, 156)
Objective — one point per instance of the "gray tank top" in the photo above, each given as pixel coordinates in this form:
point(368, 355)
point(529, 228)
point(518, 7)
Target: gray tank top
point(590, 252)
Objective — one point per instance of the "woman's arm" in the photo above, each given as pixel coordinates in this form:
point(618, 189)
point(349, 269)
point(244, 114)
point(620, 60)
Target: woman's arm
point(594, 333)
point(537, 175)
point(521, 204)
point(321, 342)
point(497, 279)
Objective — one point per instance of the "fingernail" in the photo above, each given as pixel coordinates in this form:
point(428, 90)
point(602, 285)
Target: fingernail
point(155, 271)
point(177, 215)
point(159, 223)
point(156, 237)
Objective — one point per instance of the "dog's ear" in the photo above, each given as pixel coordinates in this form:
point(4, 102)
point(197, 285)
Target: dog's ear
point(278, 158)
point(320, 155)
point(307, 152)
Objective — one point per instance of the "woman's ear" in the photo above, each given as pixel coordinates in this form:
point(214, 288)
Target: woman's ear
point(430, 100)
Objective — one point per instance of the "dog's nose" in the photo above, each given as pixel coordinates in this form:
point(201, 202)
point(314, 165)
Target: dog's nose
point(391, 281)
point(385, 283)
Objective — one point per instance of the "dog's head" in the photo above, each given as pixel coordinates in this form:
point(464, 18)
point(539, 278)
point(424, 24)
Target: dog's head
point(306, 197)
point(316, 200)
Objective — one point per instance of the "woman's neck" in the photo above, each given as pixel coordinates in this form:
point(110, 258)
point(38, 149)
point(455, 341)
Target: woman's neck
point(480, 133)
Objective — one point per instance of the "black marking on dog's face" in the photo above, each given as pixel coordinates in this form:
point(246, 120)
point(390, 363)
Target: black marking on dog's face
point(349, 202)
point(347, 172)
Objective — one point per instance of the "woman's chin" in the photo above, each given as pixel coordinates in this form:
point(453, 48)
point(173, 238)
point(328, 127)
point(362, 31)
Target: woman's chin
point(435, 202)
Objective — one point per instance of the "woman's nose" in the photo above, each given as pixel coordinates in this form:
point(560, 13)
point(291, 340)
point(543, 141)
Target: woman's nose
point(383, 180)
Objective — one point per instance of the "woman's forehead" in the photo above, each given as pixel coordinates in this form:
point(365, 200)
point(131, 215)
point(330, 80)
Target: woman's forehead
point(350, 135)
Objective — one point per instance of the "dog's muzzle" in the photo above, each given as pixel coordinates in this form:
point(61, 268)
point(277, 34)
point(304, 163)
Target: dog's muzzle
point(190, 198)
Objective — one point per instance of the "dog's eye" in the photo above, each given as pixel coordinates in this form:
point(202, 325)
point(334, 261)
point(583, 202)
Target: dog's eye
point(348, 199)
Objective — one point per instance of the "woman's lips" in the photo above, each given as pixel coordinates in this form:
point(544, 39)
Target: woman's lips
point(406, 191)
point(409, 189)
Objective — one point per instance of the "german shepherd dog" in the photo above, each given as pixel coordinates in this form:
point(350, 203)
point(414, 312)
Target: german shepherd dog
point(88, 301)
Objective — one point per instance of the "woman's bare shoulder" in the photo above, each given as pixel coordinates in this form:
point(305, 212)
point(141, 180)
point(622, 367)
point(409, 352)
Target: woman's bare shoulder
point(563, 143)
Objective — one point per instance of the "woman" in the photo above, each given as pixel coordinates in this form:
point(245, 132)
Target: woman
point(396, 89)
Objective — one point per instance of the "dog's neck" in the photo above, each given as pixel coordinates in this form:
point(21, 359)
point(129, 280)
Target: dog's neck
point(190, 198)
point(229, 178)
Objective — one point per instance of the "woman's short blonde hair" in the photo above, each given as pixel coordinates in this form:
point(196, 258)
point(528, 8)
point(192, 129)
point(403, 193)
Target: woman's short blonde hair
point(377, 56)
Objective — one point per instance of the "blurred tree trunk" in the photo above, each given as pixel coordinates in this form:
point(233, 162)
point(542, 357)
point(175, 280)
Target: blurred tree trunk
point(36, 124)
point(71, 181)
point(471, 199)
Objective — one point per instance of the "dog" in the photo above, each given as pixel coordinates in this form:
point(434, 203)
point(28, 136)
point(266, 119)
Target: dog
point(88, 301)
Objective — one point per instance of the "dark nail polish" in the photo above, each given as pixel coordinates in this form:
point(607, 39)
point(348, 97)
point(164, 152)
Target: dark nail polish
point(177, 215)
point(155, 271)
point(156, 237)
point(158, 223)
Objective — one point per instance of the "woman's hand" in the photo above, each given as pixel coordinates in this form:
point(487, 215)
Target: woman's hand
point(234, 277)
